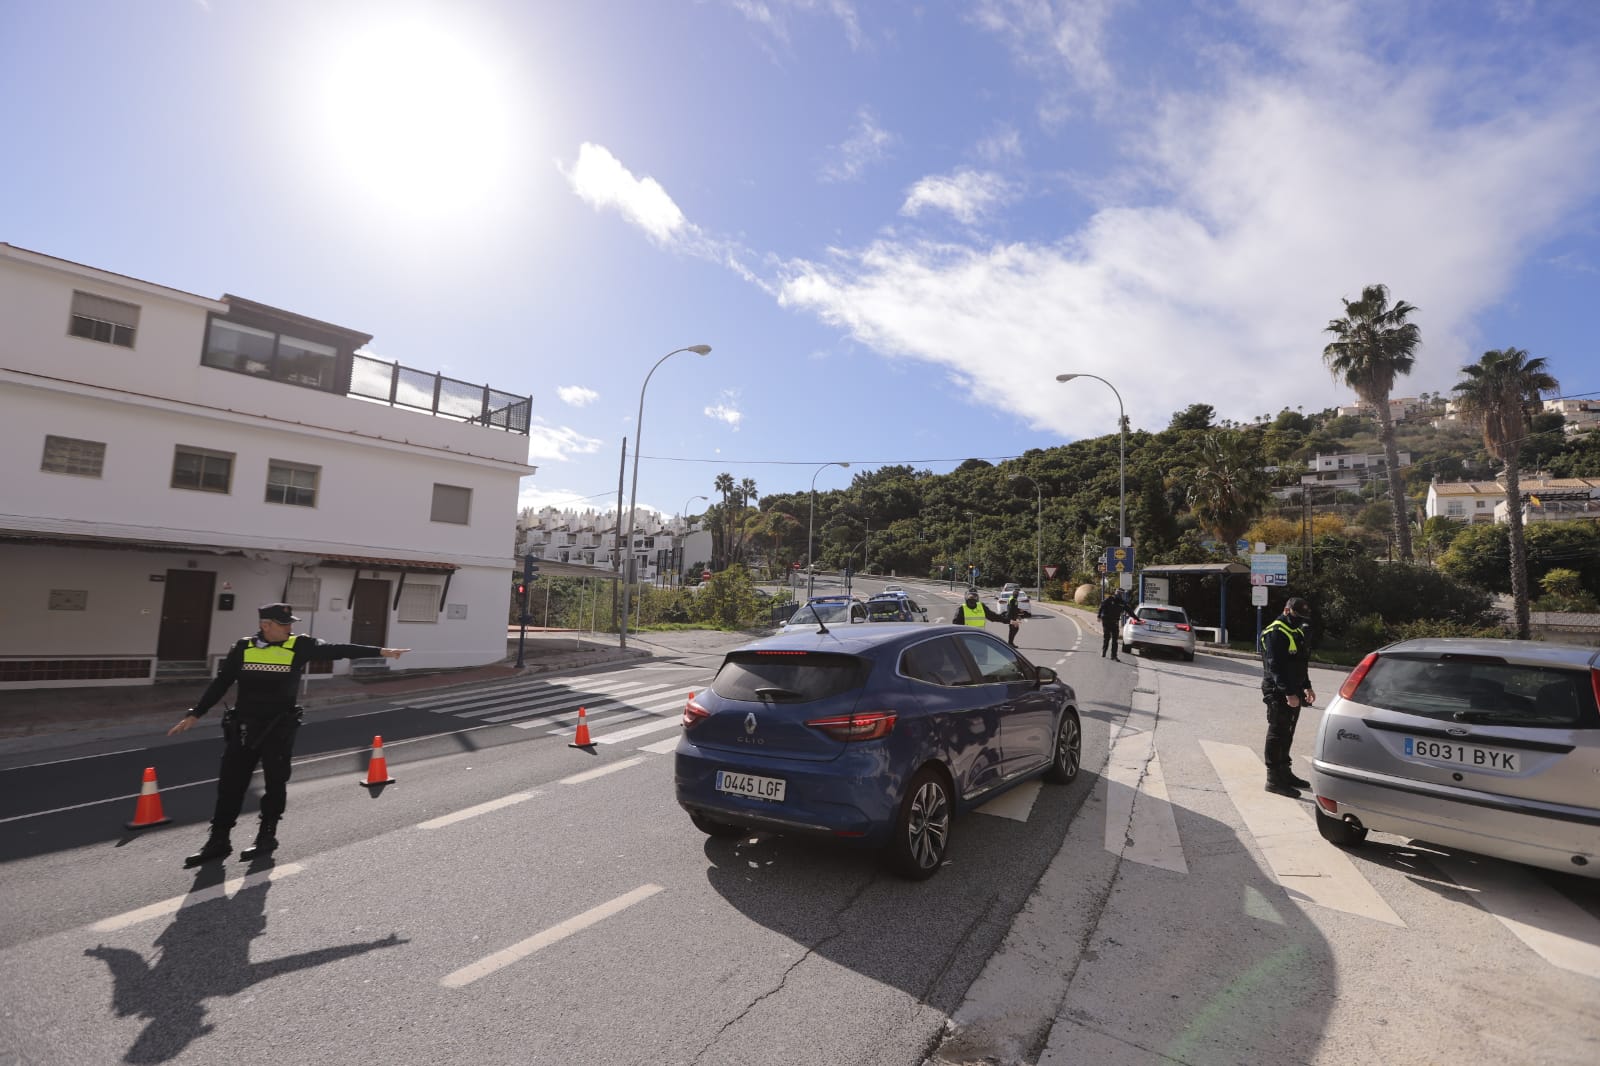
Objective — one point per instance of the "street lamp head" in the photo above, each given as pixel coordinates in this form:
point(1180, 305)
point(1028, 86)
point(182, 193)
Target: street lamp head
point(1065, 377)
point(699, 349)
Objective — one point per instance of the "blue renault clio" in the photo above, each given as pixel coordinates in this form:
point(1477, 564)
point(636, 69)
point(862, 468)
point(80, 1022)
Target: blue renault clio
point(872, 735)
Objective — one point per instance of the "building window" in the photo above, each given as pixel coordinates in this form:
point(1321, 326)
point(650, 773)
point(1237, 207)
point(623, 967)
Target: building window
point(202, 469)
point(1455, 509)
point(1482, 504)
point(292, 483)
point(96, 318)
point(68, 455)
point(451, 503)
point(419, 602)
point(304, 593)
point(263, 353)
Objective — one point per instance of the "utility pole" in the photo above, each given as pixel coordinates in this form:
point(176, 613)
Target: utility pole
point(616, 545)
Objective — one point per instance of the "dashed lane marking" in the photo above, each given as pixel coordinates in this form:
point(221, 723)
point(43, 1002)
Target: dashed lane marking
point(178, 903)
point(601, 771)
point(523, 948)
point(1558, 930)
point(473, 812)
point(1140, 824)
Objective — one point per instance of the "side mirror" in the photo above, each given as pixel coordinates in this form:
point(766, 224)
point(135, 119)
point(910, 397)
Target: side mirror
point(1046, 675)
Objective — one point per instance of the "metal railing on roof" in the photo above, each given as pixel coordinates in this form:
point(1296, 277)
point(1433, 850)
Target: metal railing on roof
point(384, 382)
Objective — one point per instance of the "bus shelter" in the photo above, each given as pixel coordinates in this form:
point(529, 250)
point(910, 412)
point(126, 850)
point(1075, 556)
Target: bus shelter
point(1191, 573)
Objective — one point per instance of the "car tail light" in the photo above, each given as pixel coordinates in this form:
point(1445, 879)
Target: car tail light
point(1135, 620)
point(1331, 806)
point(1182, 626)
point(693, 713)
point(1351, 683)
point(866, 725)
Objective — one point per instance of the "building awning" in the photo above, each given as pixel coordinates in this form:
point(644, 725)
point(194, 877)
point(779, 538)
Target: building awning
point(1197, 569)
point(373, 562)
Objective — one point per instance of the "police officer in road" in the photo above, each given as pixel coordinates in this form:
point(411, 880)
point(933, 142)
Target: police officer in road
point(1013, 616)
point(974, 612)
point(262, 727)
point(1285, 688)
point(1112, 608)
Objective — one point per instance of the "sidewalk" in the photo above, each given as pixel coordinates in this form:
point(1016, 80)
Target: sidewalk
point(43, 712)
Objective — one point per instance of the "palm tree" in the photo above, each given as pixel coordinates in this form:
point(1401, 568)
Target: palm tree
point(1229, 487)
point(747, 492)
point(1499, 393)
point(1376, 344)
point(725, 485)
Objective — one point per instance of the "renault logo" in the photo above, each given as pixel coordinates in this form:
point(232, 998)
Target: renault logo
point(750, 723)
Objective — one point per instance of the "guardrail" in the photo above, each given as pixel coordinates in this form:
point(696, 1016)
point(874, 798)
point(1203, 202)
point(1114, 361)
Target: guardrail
point(399, 386)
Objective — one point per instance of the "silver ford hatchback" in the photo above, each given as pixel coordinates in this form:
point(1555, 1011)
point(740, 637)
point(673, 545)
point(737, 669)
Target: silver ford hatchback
point(1490, 746)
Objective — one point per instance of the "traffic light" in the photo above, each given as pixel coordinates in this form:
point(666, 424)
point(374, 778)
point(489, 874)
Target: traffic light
point(522, 590)
point(529, 568)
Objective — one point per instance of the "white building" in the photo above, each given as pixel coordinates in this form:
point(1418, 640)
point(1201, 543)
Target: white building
point(1346, 471)
point(1581, 415)
point(661, 547)
point(176, 460)
point(1546, 499)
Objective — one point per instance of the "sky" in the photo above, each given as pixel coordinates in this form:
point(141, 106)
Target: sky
point(895, 223)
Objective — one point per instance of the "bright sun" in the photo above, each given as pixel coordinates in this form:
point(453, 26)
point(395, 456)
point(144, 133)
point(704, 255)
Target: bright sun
point(418, 117)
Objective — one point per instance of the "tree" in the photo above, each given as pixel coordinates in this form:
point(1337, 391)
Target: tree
point(1375, 344)
point(1229, 487)
point(722, 552)
point(1195, 416)
point(1499, 393)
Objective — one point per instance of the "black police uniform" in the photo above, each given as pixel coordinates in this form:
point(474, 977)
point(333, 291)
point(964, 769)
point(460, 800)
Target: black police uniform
point(1285, 659)
point(261, 729)
point(1112, 608)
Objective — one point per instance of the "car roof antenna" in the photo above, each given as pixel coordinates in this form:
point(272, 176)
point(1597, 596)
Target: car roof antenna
point(821, 626)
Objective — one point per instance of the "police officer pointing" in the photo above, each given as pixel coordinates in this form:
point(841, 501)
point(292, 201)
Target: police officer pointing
point(974, 612)
point(261, 728)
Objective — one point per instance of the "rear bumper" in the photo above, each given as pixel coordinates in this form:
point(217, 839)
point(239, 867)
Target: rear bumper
point(845, 799)
point(1141, 638)
point(1517, 831)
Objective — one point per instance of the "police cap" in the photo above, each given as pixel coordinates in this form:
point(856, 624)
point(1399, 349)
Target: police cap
point(276, 612)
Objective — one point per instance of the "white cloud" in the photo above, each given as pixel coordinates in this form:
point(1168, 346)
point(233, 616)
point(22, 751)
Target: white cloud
point(1003, 145)
point(603, 182)
point(558, 443)
point(577, 395)
point(968, 195)
point(1257, 207)
point(770, 15)
point(725, 409)
point(866, 145)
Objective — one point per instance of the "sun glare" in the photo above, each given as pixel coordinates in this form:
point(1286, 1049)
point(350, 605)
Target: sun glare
point(418, 117)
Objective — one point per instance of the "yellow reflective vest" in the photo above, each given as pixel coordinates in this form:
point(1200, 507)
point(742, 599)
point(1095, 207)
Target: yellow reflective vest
point(260, 658)
point(974, 616)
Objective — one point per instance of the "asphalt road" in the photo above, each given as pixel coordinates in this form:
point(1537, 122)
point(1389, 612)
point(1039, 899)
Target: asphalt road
point(512, 899)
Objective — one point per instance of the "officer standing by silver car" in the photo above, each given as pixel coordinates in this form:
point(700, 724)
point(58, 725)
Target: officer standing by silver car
point(1285, 688)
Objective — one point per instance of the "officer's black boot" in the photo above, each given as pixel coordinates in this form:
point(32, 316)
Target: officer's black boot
point(266, 841)
point(217, 846)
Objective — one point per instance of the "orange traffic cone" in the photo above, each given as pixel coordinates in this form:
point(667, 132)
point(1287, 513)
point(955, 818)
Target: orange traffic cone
point(582, 740)
point(148, 810)
point(378, 767)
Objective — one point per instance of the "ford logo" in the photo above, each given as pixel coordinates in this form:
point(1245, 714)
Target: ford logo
point(1459, 732)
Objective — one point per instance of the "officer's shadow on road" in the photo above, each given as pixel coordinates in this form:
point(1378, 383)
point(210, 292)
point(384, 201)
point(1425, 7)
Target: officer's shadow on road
point(204, 953)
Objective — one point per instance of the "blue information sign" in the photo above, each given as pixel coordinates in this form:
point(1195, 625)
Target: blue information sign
point(1119, 560)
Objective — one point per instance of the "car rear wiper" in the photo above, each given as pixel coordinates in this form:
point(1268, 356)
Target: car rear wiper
point(773, 693)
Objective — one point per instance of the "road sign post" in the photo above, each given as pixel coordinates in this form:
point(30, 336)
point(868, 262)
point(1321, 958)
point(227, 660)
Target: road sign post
point(529, 568)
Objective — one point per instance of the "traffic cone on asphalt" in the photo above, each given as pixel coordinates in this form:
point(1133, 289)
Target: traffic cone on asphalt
point(582, 740)
point(378, 767)
point(147, 812)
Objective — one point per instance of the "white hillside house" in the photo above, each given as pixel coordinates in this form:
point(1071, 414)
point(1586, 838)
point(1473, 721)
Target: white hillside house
point(175, 460)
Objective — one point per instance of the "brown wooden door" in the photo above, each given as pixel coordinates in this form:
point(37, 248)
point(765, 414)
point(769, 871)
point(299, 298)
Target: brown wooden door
point(186, 616)
point(369, 607)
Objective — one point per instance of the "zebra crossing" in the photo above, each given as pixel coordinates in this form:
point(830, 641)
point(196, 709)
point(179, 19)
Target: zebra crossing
point(652, 699)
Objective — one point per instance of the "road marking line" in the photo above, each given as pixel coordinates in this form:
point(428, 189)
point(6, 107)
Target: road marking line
point(205, 895)
point(548, 705)
point(664, 747)
point(506, 694)
point(1140, 824)
point(1558, 930)
point(601, 771)
point(609, 716)
point(523, 948)
point(641, 730)
point(1016, 803)
point(75, 758)
point(473, 812)
point(1308, 868)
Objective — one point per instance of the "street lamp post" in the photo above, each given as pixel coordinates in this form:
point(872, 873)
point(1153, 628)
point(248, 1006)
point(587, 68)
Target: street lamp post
point(1038, 546)
point(1122, 437)
point(811, 565)
point(633, 493)
point(972, 536)
point(685, 514)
